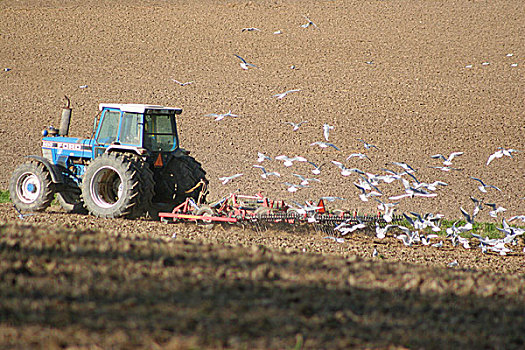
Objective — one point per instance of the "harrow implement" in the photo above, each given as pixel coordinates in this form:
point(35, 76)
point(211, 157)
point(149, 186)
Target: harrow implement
point(259, 211)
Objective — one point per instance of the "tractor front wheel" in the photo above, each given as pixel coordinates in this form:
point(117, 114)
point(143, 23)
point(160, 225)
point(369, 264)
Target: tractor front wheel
point(30, 187)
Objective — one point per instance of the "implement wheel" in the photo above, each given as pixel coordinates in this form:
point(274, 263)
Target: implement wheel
point(206, 211)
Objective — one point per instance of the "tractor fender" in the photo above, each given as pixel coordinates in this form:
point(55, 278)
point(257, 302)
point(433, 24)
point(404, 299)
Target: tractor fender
point(122, 148)
point(179, 152)
point(54, 170)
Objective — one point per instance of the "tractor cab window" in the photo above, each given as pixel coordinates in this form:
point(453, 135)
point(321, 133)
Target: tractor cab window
point(108, 130)
point(129, 129)
point(160, 133)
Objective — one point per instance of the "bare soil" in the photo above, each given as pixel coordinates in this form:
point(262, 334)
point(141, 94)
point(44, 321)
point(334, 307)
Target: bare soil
point(81, 282)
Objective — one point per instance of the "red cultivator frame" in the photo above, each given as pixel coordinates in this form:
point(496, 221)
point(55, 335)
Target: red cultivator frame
point(236, 208)
point(233, 208)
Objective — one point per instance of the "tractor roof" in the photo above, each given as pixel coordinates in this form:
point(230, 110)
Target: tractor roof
point(136, 108)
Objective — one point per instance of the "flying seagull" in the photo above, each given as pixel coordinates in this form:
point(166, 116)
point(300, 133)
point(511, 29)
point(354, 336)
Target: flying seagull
point(367, 145)
point(309, 23)
point(261, 157)
point(245, 65)
point(495, 209)
point(283, 94)
point(358, 155)
point(227, 179)
point(326, 131)
point(517, 217)
point(381, 232)
point(289, 161)
point(317, 168)
point(500, 153)
point(347, 171)
point(265, 174)
point(181, 83)
point(324, 145)
point(296, 126)
point(250, 29)
point(445, 168)
point(293, 187)
point(447, 160)
point(405, 166)
point(344, 228)
point(304, 180)
point(483, 187)
point(219, 117)
point(333, 199)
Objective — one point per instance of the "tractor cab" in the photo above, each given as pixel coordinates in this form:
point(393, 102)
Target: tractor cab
point(137, 127)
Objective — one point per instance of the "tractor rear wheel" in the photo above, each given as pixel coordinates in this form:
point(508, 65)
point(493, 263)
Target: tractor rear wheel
point(182, 177)
point(30, 187)
point(70, 199)
point(71, 202)
point(112, 187)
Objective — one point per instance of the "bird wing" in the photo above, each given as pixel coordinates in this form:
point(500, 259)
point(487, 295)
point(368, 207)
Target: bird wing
point(239, 57)
point(454, 154)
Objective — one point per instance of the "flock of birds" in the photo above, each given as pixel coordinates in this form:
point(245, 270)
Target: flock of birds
point(367, 184)
point(420, 229)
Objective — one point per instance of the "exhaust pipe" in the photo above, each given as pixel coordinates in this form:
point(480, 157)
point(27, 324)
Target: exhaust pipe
point(65, 119)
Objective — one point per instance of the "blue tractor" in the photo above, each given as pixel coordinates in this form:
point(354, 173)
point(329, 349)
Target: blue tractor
point(130, 167)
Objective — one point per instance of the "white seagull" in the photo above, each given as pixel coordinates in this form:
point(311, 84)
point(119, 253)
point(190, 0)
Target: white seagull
point(250, 29)
point(431, 187)
point(265, 173)
point(405, 166)
point(483, 187)
point(500, 153)
point(324, 145)
point(445, 168)
point(296, 126)
point(447, 161)
point(367, 145)
point(283, 94)
point(227, 179)
point(261, 157)
point(326, 131)
point(304, 180)
point(245, 65)
point(293, 187)
point(346, 171)
point(358, 155)
point(219, 117)
point(309, 23)
point(335, 239)
point(317, 168)
point(344, 228)
point(495, 209)
point(364, 195)
point(181, 83)
point(333, 199)
point(289, 161)
point(453, 263)
point(382, 231)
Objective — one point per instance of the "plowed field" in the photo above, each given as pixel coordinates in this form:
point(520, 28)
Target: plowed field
point(414, 78)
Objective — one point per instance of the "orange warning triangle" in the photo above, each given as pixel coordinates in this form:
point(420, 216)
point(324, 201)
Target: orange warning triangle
point(158, 162)
point(322, 209)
